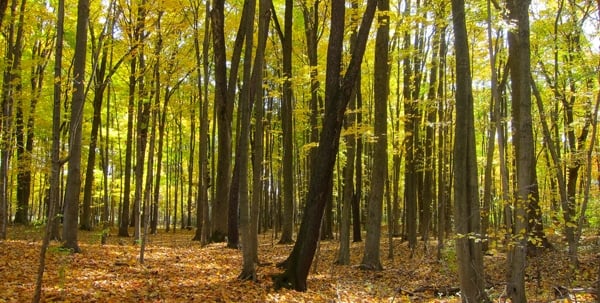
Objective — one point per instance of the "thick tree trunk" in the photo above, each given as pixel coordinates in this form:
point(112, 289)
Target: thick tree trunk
point(371, 259)
point(466, 191)
point(224, 95)
point(337, 97)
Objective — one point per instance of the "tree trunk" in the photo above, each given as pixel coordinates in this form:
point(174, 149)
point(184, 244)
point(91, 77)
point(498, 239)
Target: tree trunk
point(337, 97)
point(371, 259)
point(356, 205)
point(287, 127)
point(73, 187)
point(237, 190)
point(202, 223)
point(133, 82)
point(410, 130)
point(142, 125)
point(53, 195)
point(241, 193)
point(250, 234)
point(154, 111)
point(466, 191)
point(23, 175)
point(224, 95)
point(99, 86)
point(53, 228)
point(492, 132)
point(10, 93)
point(518, 39)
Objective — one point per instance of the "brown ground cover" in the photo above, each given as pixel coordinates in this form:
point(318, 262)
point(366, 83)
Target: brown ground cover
point(179, 270)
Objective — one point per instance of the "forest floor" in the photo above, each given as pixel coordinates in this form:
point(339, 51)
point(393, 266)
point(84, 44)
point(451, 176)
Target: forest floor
point(177, 269)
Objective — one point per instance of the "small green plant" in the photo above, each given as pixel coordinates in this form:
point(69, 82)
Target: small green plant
point(449, 259)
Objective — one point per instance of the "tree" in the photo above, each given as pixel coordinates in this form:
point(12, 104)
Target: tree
point(250, 211)
point(143, 118)
point(133, 36)
point(371, 259)
point(410, 141)
point(201, 56)
point(518, 42)
point(73, 187)
point(466, 190)
point(101, 80)
point(41, 50)
point(223, 102)
point(288, 132)
point(54, 194)
point(240, 174)
point(3, 7)
point(338, 91)
point(11, 90)
point(15, 97)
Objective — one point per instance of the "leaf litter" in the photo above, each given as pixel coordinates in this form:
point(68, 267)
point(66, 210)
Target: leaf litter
point(177, 269)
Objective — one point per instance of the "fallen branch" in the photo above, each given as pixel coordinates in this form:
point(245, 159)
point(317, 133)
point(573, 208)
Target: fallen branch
point(444, 291)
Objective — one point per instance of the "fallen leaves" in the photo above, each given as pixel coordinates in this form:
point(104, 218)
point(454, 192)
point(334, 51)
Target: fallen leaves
point(177, 269)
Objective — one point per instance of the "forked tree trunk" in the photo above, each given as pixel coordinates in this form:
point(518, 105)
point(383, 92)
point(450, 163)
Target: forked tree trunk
point(238, 190)
point(224, 98)
point(250, 235)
